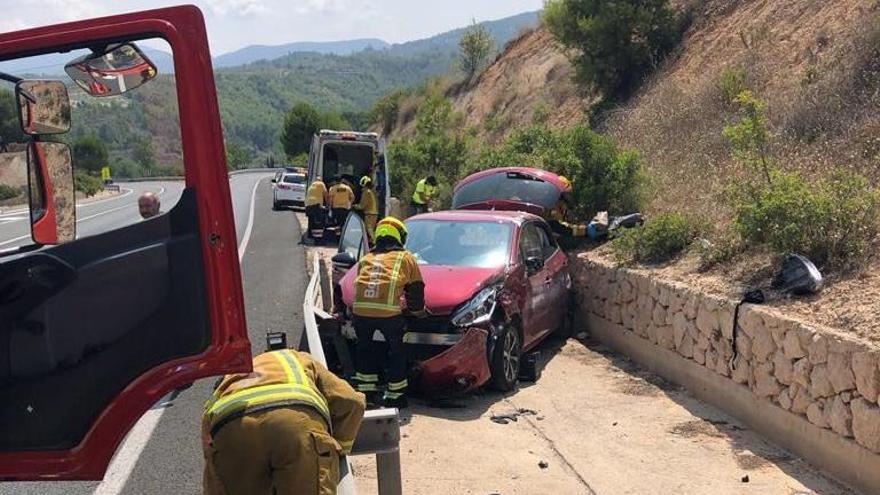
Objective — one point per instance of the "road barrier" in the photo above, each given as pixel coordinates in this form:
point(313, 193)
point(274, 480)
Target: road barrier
point(379, 434)
point(180, 177)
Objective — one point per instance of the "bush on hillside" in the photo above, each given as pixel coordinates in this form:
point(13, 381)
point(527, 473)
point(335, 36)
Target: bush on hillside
point(474, 48)
point(386, 110)
point(86, 183)
point(89, 154)
point(659, 240)
point(832, 221)
point(8, 192)
point(613, 45)
point(750, 136)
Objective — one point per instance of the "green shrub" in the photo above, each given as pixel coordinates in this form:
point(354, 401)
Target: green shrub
point(86, 184)
point(750, 136)
point(8, 192)
point(720, 250)
point(613, 45)
point(832, 221)
point(731, 84)
point(659, 240)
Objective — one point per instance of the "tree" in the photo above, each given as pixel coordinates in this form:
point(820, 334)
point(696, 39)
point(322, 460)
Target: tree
point(386, 110)
point(750, 136)
point(300, 123)
point(474, 46)
point(143, 155)
point(237, 157)
point(89, 154)
point(334, 121)
point(613, 45)
point(10, 131)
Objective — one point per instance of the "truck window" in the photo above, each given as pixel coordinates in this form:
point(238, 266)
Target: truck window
point(122, 145)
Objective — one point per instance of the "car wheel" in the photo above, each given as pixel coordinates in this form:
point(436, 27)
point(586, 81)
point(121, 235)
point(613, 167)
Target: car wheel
point(506, 360)
point(275, 205)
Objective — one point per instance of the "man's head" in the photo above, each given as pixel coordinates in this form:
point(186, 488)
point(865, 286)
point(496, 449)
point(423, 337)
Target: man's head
point(148, 205)
point(431, 180)
point(318, 178)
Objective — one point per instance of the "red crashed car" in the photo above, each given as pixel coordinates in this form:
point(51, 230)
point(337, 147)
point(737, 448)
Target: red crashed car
point(496, 284)
point(509, 188)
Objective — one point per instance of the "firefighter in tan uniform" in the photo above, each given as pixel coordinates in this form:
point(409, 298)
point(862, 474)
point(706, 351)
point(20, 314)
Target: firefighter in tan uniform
point(279, 430)
point(558, 216)
point(384, 275)
point(341, 200)
point(368, 206)
point(316, 201)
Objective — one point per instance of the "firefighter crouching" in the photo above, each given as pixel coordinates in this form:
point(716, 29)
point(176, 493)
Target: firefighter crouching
point(279, 430)
point(425, 191)
point(558, 216)
point(384, 275)
point(341, 199)
point(368, 206)
point(316, 201)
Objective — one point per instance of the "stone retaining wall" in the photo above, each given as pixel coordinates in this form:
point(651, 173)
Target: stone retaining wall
point(831, 379)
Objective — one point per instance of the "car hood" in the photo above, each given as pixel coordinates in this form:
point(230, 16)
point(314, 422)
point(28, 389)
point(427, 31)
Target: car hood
point(446, 287)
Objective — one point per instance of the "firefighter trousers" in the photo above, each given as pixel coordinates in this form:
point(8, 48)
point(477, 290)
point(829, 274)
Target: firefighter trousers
point(315, 214)
point(371, 357)
point(282, 451)
point(339, 216)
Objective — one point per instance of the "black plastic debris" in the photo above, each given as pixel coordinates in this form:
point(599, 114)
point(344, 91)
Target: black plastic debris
point(798, 276)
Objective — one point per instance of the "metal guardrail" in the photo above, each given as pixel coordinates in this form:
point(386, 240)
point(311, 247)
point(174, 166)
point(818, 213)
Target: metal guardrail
point(180, 177)
point(379, 434)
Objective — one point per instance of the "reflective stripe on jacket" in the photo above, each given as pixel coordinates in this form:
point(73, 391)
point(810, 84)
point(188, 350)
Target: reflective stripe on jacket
point(315, 194)
point(288, 378)
point(341, 196)
point(423, 192)
point(383, 277)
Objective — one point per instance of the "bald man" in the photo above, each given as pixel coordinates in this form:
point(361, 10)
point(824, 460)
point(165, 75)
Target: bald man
point(148, 204)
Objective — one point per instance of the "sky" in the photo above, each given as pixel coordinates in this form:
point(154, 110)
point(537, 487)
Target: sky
point(233, 24)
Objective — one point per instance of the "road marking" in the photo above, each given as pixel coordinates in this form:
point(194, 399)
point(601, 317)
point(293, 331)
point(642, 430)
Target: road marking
point(78, 205)
point(247, 230)
point(135, 442)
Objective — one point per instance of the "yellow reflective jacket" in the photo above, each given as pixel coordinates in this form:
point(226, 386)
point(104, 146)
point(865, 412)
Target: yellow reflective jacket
point(383, 278)
point(341, 196)
point(316, 194)
point(424, 192)
point(368, 203)
point(288, 378)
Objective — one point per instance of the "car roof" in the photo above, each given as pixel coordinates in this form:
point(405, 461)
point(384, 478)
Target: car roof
point(515, 217)
point(544, 175)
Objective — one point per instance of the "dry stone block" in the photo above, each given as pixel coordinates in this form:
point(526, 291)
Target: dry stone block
point(663, 294)
point(750, 321)
point(801, 400)
point(791, 345)
point(711, 359)
point(866, 424)
point(762, 344)
point(840, 372)
point(702, 342)
point(686, 348)
point(725, 321)
point(816, 415)
point(801, 372)
point(627, 291)
point(741, 371)
point(744, 346)
point(690, 305)
point(699, 355)
point(818, 349)
point(766, 384)
point(722, 366)
point(840, 417)
point(679, 325)
point(666, 337)
point(612, 313)
point(867, 374)
point(783, 368)
point(784, 400)
point(820, 385)
point(659, 315)
point(707, 320)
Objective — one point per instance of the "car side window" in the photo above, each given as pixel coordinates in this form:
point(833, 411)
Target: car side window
point(548, 246)
point(530, 243)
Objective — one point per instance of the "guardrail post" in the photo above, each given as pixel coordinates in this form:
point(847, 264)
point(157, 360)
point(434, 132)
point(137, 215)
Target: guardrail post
point(388, 473)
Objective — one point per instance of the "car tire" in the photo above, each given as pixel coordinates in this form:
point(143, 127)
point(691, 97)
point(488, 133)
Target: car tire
point(506, 359)
point(275, 205)
point(566, 329)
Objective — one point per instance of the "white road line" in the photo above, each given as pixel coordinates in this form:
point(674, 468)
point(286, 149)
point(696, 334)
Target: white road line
point(134, 443)
point(78, 205)
point(247, 230)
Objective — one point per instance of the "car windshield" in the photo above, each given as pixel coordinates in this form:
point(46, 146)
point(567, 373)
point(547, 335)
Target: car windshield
point(470, 244)
point(509, 186)
point(294, 179)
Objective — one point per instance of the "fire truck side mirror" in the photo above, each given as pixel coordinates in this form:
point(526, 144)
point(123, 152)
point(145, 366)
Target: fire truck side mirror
point(112, 71)
point(51, 193)
point(43, 107)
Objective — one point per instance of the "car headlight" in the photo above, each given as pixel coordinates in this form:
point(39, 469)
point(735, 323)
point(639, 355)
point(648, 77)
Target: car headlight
point(476, 311)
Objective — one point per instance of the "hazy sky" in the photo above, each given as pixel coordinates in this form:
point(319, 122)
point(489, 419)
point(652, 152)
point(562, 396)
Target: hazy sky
point(233, 24)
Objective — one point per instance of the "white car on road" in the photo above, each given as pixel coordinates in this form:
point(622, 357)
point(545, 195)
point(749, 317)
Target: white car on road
point(290, 189)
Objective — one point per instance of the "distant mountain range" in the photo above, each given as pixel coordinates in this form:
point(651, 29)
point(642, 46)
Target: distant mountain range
point(254, 53)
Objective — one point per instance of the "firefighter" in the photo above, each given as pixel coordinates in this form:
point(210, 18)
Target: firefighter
point(316, 203)
point(425, 191)
point(279, 430)
point(148, 205)
point(558, 216)
point(368, 206)
point(341, 199)
point(385, 274)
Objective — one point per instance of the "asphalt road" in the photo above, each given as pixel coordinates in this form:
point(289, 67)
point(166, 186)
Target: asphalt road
point(162, 453)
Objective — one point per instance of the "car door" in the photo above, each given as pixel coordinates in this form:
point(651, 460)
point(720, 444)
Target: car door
point(95, 331)
point(555, 270)
point(535, 306)
point(353, 245)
